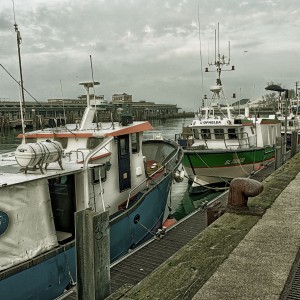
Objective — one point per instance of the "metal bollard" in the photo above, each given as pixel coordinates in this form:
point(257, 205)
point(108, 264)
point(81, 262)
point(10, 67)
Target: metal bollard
point(242, 188)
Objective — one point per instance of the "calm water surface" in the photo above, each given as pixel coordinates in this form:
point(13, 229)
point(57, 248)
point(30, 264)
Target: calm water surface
point(181, 202)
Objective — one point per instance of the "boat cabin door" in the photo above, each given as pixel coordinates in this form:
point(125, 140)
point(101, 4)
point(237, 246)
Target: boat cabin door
point(124, 162)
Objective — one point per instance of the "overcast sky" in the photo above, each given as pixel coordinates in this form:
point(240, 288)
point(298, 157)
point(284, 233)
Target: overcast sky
point(148, 48)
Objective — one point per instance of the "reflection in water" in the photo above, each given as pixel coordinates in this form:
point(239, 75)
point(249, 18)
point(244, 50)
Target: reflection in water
point(184, 203)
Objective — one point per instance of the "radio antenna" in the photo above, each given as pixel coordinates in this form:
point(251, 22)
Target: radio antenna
point(92, 71)
point(93, 79)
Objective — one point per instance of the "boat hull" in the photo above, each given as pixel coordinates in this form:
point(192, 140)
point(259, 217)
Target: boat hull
point(216, 167)
point(44, 277)
point(49, 274)
point(135, 226)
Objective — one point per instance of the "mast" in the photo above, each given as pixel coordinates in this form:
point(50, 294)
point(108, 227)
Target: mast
point(19, 41)
point(220, 62)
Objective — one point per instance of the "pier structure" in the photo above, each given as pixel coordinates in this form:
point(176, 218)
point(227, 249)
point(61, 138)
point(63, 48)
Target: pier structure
point(71, 110)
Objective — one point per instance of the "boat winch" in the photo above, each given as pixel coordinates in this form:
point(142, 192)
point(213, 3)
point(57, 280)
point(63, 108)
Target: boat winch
point(32, 155)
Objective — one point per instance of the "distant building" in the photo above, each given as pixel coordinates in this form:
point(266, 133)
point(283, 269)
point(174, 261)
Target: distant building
point(72, 109)
point(121, 99)
point(240, 103)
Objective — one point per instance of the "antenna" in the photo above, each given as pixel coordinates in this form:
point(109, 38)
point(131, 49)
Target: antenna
point(218, 41)
point(215, 47)
point(62, 98)
point(220, 62)
point(94, 91)
point(229, 52)
point(22, 98)
point(93, 79)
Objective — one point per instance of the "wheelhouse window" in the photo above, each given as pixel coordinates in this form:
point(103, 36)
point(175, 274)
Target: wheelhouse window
point(93, 142)
point(205, 134)
point(135, 142)
point(123, 147)
point(232, 134)
point(219, 133)
point(63, 141)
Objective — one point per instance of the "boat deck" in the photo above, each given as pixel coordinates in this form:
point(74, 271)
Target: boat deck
point(11, 173)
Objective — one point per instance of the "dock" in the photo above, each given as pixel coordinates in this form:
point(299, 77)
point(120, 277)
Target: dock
point(150, 263)
point(242, 255)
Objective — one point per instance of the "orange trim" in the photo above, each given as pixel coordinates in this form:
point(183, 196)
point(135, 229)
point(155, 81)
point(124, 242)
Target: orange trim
point(267, 121)
point(132, 129)
point(127, 130)
point(247, 123)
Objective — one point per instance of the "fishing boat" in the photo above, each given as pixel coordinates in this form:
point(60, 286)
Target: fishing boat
point(219, 146)
point(58, 171)
point(288, 116)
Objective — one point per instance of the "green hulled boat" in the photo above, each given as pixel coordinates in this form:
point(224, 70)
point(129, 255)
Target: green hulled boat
point(219, 146)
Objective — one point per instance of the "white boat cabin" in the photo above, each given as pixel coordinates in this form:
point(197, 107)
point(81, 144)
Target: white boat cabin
point(230, 133)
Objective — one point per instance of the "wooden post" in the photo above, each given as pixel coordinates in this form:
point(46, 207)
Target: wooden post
point(294, 143)
point(278, 153)
point(101, 255)
point(92, 255)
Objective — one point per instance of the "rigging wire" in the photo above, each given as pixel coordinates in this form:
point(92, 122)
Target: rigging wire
point(32, 96)
point(200, 50)
point(21, 86)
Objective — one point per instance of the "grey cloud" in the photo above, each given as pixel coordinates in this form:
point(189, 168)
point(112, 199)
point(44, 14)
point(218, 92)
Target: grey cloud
point(149, 48)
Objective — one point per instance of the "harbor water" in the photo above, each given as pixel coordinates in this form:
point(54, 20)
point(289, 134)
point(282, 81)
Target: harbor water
point(181, 203)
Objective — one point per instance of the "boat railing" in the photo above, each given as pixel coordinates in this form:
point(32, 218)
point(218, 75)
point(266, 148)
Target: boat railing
point(77, 152)
point(162, 167)
point(230, 140)
point(242, 139)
